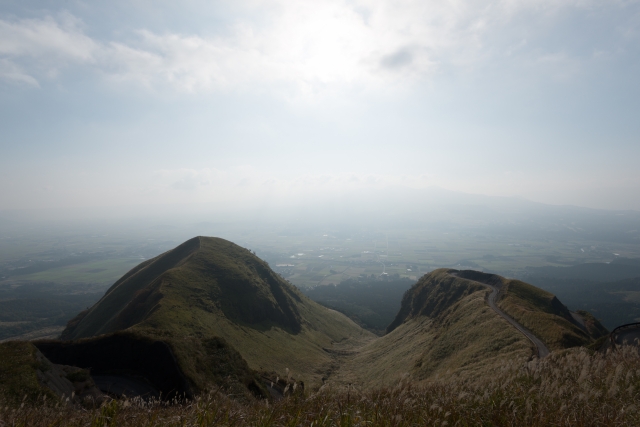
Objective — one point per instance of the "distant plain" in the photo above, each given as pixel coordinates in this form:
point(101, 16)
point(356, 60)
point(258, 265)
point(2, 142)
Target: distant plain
point(505, 237)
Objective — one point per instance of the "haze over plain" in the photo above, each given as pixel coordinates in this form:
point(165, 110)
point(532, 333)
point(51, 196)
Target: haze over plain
point(231, 106)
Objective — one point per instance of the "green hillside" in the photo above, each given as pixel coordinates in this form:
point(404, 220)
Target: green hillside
point(209, 288)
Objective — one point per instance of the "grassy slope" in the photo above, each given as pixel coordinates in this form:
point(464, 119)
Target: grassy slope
point(18, 372)
point(271, 350)
point(210, 287)
point(543, 314)
point(443, 326)
point(139, 282)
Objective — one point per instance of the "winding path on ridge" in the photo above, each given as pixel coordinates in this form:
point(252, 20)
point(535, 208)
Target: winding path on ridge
point(541, 348)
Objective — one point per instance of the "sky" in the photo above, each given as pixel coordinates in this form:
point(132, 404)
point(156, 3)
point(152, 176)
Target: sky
point(125, 104)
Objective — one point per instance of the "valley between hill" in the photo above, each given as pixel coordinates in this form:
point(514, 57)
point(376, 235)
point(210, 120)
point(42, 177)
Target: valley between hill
point(209, 314)
point(210, 300)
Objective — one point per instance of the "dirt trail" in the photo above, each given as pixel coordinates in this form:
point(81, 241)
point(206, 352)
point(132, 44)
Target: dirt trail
point(541, 348)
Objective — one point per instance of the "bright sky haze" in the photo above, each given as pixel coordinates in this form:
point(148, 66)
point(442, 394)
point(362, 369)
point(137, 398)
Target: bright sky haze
point(140, 102)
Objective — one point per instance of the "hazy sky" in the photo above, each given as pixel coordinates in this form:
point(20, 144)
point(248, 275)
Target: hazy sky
point(140, 102)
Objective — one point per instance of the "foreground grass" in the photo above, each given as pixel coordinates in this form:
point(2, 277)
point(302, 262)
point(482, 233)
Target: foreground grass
point(573, 388)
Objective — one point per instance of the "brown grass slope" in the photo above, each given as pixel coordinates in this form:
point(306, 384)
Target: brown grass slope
point(209, 288)
point(445, 327)
point(540, 312)
point(544, 315)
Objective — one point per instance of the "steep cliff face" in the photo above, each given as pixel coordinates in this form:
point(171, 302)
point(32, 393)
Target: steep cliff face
point(432, 295)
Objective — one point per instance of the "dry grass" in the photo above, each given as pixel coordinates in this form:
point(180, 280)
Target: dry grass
point(468, 338)
point(544, 315)
point(571, 388)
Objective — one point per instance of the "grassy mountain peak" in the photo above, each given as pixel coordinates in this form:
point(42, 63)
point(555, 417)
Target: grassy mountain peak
point(209, 289)
point(206, 273)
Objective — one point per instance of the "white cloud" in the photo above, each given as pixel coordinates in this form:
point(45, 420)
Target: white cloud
point(185, 179)
point(45, 39)
point(13, 73)
point(31, 49)
point(308, 45)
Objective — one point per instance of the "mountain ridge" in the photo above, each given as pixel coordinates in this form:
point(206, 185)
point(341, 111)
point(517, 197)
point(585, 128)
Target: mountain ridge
point(209, 300)
point(209, 288)
point(446, 327)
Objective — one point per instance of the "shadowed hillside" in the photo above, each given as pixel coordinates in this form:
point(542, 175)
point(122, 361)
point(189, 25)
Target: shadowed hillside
point(211, 289)
point(19, 368)
point(28, 377)
point(135, 356)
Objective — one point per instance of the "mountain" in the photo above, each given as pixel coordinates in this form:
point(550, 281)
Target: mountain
point(446, 325)
point(209, 313)
point(215, 309)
